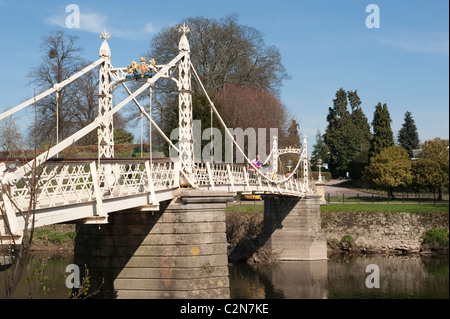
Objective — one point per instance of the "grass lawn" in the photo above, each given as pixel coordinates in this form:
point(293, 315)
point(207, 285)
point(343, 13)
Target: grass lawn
point(386, 208)
point(245, 208)
point(370, 208)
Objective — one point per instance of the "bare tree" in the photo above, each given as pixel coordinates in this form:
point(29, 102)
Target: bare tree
point(60, 60)
point(14, 251)
point(10, 138)
point(83, 95)
point(251, 107)
point(223, 52)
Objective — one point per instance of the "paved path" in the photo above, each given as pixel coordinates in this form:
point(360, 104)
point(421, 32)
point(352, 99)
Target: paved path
point(335, 188)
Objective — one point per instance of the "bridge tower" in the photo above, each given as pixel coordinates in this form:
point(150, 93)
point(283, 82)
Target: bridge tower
point(106, 130)
point(185, 122)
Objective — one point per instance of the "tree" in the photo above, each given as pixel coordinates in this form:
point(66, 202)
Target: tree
point(382, 132)
point(388, 169)
point(250, 107)
point(347, 133)
point(407, 136)
point(223, 52)
point(361, 156)
point(320, 150)
point(60, 59)
point(121, 136)
point(10, 138)
point(431, 170)
point(293, 137)
point(84, 101)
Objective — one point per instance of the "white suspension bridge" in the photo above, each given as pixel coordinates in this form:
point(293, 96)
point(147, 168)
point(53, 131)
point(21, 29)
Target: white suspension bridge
point(86, 191)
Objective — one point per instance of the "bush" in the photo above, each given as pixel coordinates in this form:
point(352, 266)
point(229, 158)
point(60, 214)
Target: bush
point(436, 237)
point(347, 242)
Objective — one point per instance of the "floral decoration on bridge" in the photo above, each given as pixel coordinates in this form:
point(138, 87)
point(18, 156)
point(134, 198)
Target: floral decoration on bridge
point(142, 70)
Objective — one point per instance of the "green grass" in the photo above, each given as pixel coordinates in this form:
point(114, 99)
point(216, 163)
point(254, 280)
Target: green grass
point(57, 234)
point(245, 208)
point(369, 208)
point(386, 208)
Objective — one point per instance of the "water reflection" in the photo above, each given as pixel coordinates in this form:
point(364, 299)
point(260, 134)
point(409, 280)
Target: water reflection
point(401, 277)
point(50, 284)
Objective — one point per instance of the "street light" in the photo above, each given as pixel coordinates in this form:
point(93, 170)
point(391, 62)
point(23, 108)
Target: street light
point(289, 164)
point(319, 164)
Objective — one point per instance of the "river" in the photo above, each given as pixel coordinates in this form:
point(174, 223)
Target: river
point(342, 277)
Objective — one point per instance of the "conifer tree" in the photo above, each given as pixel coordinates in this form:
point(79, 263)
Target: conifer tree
point(320, 150)
point(407, 136)
point(347, 135)
point(382, 132)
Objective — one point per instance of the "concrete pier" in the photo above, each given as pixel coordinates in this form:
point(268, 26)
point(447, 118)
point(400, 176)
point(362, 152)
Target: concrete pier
point(292, 229)
point(179, 251)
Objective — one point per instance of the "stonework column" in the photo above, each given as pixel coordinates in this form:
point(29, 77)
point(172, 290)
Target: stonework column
point(292, 229)
point(177, 252)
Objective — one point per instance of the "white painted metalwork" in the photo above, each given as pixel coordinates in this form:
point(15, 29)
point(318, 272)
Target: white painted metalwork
point(185, 121)
point(86, 191)
point(105, 132)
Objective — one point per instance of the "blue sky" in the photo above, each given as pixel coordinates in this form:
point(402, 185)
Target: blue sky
point(325, 45)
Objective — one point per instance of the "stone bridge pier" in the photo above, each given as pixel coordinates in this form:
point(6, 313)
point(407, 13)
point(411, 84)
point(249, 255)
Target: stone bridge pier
point(292, 228)
point(177, 252)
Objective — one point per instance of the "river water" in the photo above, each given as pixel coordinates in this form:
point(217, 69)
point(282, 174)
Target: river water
point(342, 277)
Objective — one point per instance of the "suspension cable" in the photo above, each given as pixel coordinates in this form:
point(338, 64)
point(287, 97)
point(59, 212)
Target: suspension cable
point(55, 88)
point(231, 136)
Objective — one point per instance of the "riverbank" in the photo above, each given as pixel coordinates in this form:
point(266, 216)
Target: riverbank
point(380, 232)
point(346, 232)
point(362, 232)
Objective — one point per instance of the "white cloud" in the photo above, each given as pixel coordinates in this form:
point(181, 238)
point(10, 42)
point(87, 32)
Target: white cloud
point(97, 23)
point(149, 28)
point(90, 22)
point(425, 42)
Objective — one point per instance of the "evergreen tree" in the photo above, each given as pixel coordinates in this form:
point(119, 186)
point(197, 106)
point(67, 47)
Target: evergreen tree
point(382, 132)
point(347, 135)
point(320, 150)
point(361, 156)
point(407, 136)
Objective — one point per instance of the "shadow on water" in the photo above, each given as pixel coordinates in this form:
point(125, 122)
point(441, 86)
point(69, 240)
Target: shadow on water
point(344, 277)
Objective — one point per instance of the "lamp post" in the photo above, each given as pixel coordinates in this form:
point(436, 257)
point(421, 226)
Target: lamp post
point(319, 164)
point(289, 164)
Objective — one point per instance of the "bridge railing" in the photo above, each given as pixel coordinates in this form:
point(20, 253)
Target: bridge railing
point(213, 175)
point(77, 181)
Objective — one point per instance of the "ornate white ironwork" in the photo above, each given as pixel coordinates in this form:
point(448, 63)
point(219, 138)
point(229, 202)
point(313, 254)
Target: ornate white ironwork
point(71, 183)
point(106, 131)
point(64, 186)
point(186, 137)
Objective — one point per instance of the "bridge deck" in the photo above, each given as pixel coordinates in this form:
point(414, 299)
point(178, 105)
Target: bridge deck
point(86, 191)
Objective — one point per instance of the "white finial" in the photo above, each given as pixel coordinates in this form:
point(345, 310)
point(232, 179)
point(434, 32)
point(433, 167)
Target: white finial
point(184, 29)
point(105, 35)
point(184, 43)
point(105, 51)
